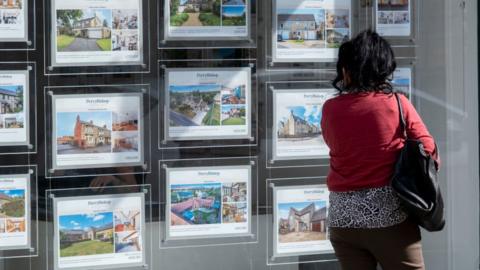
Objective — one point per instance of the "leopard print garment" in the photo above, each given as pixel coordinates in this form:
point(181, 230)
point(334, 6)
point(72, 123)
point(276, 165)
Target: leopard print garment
point(369, 208)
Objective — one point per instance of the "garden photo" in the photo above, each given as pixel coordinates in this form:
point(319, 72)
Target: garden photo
point(234, 15)
point(12, 203)
point(233, 115)
point(187, 13)
point(86, 234)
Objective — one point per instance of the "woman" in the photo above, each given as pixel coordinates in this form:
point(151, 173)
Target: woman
point(362, 128)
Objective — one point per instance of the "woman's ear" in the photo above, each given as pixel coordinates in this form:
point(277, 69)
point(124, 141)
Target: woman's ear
point(346, 77)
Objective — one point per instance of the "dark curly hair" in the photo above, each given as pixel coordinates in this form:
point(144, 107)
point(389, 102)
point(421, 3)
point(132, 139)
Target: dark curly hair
point(368, 61)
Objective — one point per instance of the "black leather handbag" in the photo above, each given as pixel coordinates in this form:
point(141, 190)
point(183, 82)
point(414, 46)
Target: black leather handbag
point(415, 182)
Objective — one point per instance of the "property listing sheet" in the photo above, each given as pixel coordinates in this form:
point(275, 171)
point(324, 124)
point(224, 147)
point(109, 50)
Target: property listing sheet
point(201, 20)
point(309, 30)
point(13, 20)
point(300, 216)
point(14, 107)
point(208, 201)
point(402, 80)
point(297, 114)
point(92, 32)
point(97, 130)
point(105, 231)
point(208, 103)
point(14, 211)
point(394, 17)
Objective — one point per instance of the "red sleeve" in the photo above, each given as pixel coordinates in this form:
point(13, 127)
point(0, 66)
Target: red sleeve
point(416, 129)
point(323, 124)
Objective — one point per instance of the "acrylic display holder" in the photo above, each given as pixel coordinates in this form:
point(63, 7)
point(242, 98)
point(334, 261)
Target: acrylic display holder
point(214, 138)
point(220, 166)
point(273, 158)
point(407, 68)
point(77, 66)
point(192, 40)
point(30, 224)
point(324, 255)
point(29, 42)
point(121, 138)
point(358, 22)
point(103, 195)
point(406, 40)
point(30, 108)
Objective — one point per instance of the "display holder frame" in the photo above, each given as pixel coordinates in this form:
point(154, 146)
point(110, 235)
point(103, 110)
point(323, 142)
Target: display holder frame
point(274, 64)
point(272, 185)
point(30, 71)
point(180, 165)
point(53, 196)
point(272, 88)
point(29, 43)
point(206, 41)
point(167, 142)
point(32, 248)
point(401, 41)
point(124, 67)
point(142, 91)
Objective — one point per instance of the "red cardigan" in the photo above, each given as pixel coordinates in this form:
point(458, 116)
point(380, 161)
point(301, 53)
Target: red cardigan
point(363, 133)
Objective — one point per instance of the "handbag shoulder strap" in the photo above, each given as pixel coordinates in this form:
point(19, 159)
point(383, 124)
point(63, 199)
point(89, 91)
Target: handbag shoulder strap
point(403, 124)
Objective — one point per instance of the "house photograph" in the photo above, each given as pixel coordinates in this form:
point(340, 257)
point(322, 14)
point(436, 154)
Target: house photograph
point(188, 13)
point(338, 18)
point(11, 99)
point(195, 204)
point(302, 221)
point(234, 115)
point(301, 28)
point(82, 30)
point(15, 225)
point(125, 141)
point(300, 122)
point(195, 105)
point(127, 220)
point(125, 120)
point(234, 192)
point(91, 132)
point(335, 37)
point(236, 95)
point(11, 4)
point(86, 234)
point(395, 5)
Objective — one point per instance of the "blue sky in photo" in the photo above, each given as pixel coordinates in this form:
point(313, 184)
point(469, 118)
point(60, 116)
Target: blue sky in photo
point(13, 192)
point(191, 88)
point(182, 2)
point(10, 88)
point(84, 222)
point(401, 81)
point(284, 208)
point(103, 14)
point(314, 117)
point(233, 11)
point(319, 13)
point(66, 121)
point(196, 186)
point(234, 2)
point(226, 108)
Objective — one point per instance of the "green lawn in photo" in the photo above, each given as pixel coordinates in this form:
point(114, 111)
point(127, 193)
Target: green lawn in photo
point(233, 122)
point(213, 116)
point(91, 247)
point(64, 41)
point(333, 45)
point(105, 44)
point(178, 19)
point(209, 19)
point(239, 21)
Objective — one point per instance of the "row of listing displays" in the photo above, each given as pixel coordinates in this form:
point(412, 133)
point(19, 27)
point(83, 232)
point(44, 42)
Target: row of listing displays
point(107, 126)
point(205, 206)
point(115, 32)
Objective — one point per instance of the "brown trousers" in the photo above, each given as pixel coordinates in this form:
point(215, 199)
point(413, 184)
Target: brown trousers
point(394, 248)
